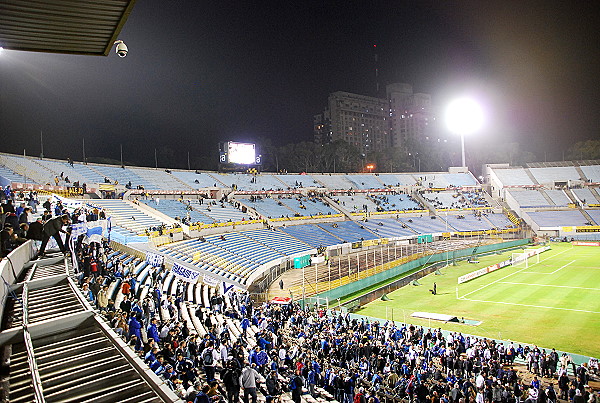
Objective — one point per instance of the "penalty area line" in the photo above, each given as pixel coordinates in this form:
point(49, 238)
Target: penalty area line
point(551, 285)
point(528, 305)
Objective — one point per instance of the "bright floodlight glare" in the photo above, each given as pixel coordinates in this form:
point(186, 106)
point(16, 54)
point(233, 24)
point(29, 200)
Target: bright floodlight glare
point(464, 116)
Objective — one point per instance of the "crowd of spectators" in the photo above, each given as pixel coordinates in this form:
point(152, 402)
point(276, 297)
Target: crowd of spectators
point(275, 349)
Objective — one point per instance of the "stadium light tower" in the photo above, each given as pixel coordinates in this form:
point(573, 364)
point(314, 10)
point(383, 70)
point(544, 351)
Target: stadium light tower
point(464, 117)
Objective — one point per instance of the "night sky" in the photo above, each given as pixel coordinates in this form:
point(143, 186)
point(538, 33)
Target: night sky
point(202, 72)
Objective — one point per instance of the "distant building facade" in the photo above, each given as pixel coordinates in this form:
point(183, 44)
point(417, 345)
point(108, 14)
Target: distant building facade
point(359, 120)
point(374, 124)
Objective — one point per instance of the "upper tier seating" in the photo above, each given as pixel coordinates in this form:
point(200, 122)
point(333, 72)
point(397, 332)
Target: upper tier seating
point(550, 175)
point(592, 173)
point(595, 214)
point(468, 222)
point(558, 197)
point(513, 177)
point(358, 203)
point(127, 216)
point(388, 228)
point(397, 179)
point(175, 209)
point(530, 198)
point(348, 231)
point(307, 206)
point(395, 202)
point(298, 181)
point(247, 182)
point(425, 224)
point(445, 200)
point(10, 175)
point(311, 234)
point(123, 176)
point(159, 179)
point(270, 208)
point(585, 196)
point(280, 241)
point(565, 218)
point(196, 180)
point(219, 212)
point(334, 181)
point(364, 181)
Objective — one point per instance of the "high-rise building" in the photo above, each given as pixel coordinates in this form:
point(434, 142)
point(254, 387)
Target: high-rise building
point(373, 124)
point(357, 119)
point(411, 116)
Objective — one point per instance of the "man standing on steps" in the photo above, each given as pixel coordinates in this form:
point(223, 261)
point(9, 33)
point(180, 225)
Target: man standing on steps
point(53, 228)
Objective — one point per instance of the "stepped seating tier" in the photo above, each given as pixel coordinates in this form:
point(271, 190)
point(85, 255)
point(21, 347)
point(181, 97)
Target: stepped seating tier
point(280, 241)
point(295, 181)
point(348, 231)
point(559, 198)
point(248, 182)
point(563, 218)
point(530, 198)
point(364, 182)
point(159, 179)
point(425, 225)
point(356, 203)
point(513, 177)
point(123, 176)
point(127, 216)
point(585, 196)
point(549, 175)
point(174, 208)
point(271, 208)
point(334, 181)
point(189, 178)
point(469, 223)
point(307, 207)
point(397, 179)
point(592, 173)
point(311, 234)
point(219, 212)
point(388, 228)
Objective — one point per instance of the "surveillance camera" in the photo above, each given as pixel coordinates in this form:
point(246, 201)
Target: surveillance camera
point(121, 48)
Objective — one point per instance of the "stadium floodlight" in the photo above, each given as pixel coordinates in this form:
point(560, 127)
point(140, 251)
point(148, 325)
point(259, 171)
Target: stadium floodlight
point(464, 116)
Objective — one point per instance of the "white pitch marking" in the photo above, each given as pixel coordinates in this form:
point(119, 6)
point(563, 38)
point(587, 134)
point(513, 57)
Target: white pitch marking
point(550, 285)
point(511, 274)
point(528, 305)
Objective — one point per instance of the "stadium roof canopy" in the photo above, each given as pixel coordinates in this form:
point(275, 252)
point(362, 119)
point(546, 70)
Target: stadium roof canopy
point(80, 27)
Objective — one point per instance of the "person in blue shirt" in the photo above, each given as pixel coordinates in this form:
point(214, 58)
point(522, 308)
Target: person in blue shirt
point(153, 330)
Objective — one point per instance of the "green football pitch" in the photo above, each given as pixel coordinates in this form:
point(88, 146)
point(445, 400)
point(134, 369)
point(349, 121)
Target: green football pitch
point(553, 304)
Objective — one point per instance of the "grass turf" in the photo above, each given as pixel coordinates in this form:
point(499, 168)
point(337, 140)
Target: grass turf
point(553, 303)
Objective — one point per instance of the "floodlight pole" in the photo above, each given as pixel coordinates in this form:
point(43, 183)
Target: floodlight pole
point(462, 147)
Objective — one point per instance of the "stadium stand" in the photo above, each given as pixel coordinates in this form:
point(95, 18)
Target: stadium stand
point(348, 231)
point(334, 181)
point(513, 177)
point(550, 175)
point(558, 218)
point(125, 215)
point(364, 181)
point(558, 197)
point(293, 181)
point(219, 212)
point(159, 179)
point(196, 180)
point(592, 173)
point(397, 179)
point(585, 196)
point(425, 225)
point(312, 235)
point(530, 198)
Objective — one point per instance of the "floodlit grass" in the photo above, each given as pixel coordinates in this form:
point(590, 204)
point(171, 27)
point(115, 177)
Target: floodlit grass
point(553, 303)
